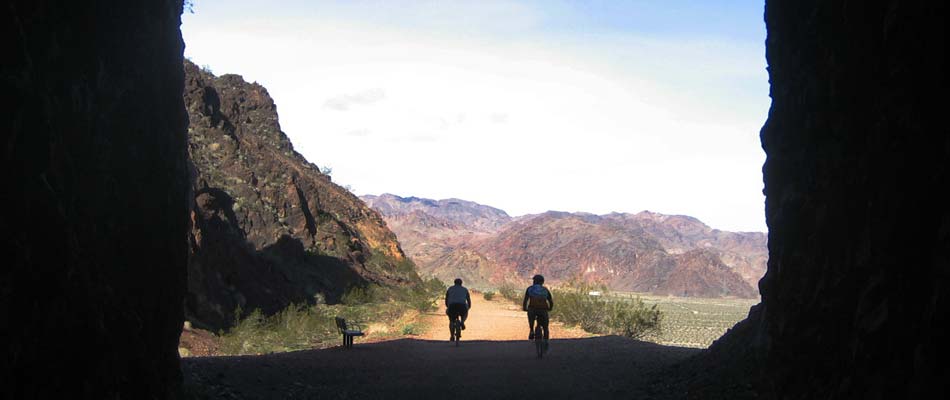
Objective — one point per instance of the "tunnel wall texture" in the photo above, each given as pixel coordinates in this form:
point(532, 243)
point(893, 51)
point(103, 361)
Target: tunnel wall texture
point(94, 204)
point(858, 233)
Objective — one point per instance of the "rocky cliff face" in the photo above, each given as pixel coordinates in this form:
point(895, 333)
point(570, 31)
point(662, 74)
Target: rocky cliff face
point(645, 252)
point(269, 228)
point(94, 208)
point(854, 300)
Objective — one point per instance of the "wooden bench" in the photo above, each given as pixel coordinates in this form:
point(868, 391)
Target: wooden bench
point(348, 333)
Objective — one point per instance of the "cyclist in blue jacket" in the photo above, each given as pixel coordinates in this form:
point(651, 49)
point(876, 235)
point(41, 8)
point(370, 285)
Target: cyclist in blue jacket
point(538, 302)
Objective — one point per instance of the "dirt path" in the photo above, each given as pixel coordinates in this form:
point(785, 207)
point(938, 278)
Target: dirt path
point(495, 361)
point(498, 319)
point(589, 368)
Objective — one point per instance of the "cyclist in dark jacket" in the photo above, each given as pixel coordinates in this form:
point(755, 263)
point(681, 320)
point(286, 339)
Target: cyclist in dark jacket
point(457, 302)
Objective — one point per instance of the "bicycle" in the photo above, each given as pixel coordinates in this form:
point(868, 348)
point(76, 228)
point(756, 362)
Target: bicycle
point(540, 344)
point(539, 340)
point(455, 329)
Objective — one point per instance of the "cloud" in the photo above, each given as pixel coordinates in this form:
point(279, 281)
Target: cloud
point(423, 139)
point(547, 103)
point(359, 132)
point(343, 102)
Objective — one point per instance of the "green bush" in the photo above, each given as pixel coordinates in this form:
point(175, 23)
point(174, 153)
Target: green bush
point(605, 313)
point(488, 295)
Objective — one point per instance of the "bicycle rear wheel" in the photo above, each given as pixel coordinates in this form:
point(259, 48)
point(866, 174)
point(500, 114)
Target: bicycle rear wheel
point(539, 341)
point(457, 330)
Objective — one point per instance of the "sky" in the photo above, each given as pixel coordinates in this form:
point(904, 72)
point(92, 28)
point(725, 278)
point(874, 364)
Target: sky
point(528, 106)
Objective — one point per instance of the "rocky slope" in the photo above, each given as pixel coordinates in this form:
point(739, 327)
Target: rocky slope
point(269, 228)
point(644, 252)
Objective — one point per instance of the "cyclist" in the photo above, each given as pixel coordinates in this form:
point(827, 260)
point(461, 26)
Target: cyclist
point(457, 303)
point(537, 302)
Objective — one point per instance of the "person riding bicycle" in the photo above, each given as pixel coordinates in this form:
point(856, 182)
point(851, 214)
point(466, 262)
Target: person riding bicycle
point(537, 302)
point(457, 303)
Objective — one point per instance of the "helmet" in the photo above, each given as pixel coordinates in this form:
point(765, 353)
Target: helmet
point(538, 279)
point(458, 281)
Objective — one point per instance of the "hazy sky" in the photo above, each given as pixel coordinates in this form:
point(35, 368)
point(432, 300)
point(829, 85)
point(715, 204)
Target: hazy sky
point(527, 106)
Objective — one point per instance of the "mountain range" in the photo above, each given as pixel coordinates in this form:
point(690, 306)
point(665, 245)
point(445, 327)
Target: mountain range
point(644, 252)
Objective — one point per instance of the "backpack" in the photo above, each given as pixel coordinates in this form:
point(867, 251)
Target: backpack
point(538, 297)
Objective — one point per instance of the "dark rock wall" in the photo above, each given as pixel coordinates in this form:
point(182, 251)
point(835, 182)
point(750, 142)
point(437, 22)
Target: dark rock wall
point(856, 285)
point(94, 210)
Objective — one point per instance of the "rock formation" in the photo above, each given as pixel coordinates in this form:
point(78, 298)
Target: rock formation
point(645, 252)
point(269, 228)
point(95, 201)
point(854, 300)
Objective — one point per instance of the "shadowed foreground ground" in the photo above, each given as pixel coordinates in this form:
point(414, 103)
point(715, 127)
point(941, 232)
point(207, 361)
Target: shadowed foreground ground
point(601, 367)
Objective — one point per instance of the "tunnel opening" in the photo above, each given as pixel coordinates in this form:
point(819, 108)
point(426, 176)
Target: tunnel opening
point(853, 303)
point(647, 252)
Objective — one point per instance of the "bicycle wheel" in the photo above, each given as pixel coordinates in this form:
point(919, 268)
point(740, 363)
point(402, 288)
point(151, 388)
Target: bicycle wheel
point(457, 330)
point(539, 341)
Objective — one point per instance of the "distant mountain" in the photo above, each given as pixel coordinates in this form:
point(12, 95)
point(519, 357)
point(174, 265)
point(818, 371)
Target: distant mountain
point(464, 214)
point(434, 234)
point(644, 252)
point(745, 252)
point(268, 228)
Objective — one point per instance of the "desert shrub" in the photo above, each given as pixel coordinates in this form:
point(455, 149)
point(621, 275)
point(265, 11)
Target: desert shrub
point(357, 295)
point(435, 285)
point(422, 301)
point(294, 328)
point(304, 327)
point(604, 313)
point(389, 313)
point(412, 329)
point(576, 307)
point(488, 295)
point(425, 296)
point(508, 291)
point(632, 318)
